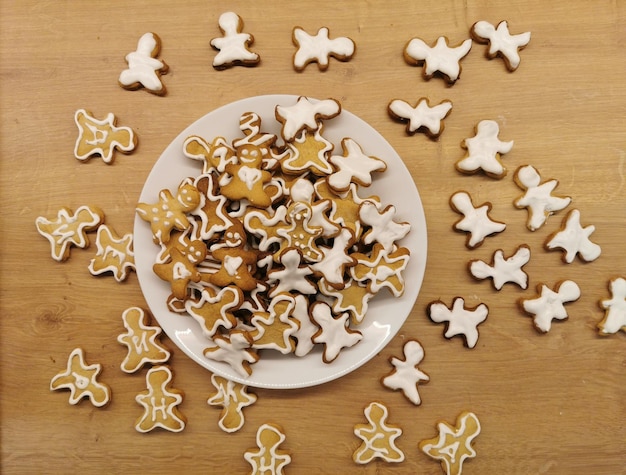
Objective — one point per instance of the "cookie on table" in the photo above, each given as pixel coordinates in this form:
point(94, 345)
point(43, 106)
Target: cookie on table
point(422, 117)
point(614, 308)
point(503, 270)
point(101, 137)
point(267, 456)
point(233, 46)
point(82, 380)
point(142, 341)
point(232, 397)
point(476, 220)
point(573, 239)
point(378, 437)
point(144, 69)
point(319, 48)
point(484, 151)
point(440, 59)
point(549, 305)
point(501, 42)
point(459, 320)
point(160, 403)
point(405, 375)
point(114, 254)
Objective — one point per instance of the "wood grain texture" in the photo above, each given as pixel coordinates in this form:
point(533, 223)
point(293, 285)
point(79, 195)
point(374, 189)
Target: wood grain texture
point(549, 404)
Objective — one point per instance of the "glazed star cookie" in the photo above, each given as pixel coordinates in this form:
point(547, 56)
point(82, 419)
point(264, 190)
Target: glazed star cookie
point(233, 46)
point(549, 304)
point(232, 397)
point(537, 197)
point(405, 375)
point(142, 341)
point(378, 437)
point(484, 151)
point(114, 254)
point(82, 380)
point(101, 137)
point(144, 70)
point(453, 445)
point(439, 59)
point(422, 117)
point(459, 319)
point(573, 240)
point(334, 331)
point(614, 308)
point(160, 403)
point(305, 115)
point(69, 229)
point(501, 42)
point(503, 270)
point(476, 221)
point(353, 167)
point(267, 457)
point(319, 48)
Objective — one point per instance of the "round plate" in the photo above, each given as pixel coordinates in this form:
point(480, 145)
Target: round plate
point(386, 313)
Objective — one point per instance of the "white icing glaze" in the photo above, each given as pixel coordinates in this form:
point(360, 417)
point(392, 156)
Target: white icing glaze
point(268, 460)
point(574, 239)
point(160, 403)
point(484, 150)
point(320, 48)
point(353, 166)
point(476, 221)
point(383, 228)
point(305, 114)
point(141, 341)
point(378, 437)
point(503, 270)
point(439, 58)
point(102, 136)
point(422, 115)
point(501, 41)
point(334, 332)
point(549, 305)
point(615, 308)
point(233, 46)
point(143, 66)
point(405, 375)
point(460, 321)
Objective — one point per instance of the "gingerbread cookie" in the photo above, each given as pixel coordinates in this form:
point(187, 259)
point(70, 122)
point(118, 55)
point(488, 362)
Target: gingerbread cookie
point(378, 436)
point(142, 341)
point(101, 137)
point(405, 374)
point(440, 59)
point(458, 319)
point(334, 331)
point(549, 304)
point(353, 167)
point(305, 115)
point(160, 403)
point(215, 309)
point(267, 457)
point(69, 229)
point(503, 270)
point(82, 380)
point(501, 42)
point(422, 117)
point(114, 254)
point(614, 308)
point(484, 151)
point(573, 240)
point(144, 70)
point(235, 349)
point(453, 445)
point(233, 45)
point(232, 397)
point(476, 221)
point(319, 48)
point(274, 329)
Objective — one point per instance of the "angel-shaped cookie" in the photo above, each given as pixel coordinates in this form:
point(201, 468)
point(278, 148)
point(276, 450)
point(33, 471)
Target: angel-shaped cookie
point(503, 270)
point(501, 42)
point(422, 117)
point(476, 221)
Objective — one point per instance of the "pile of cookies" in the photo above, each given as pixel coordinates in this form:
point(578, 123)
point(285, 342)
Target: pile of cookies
point(271, 247)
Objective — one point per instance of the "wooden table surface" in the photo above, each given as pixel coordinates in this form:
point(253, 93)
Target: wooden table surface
point(548, 403)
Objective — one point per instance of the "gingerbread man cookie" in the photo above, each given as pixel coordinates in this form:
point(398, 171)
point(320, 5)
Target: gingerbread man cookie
point(160, 403)
point(334, 331)
point(353, 166)
point(233, 45)
point(234, 349)
point(115, 254)
point(141, 340)
point(319, 48)
point(405, 374)
point(378, 436)
point(232, 397)
point(144, 70)
point(267, 458)
point(549, 304)
point(82, 380)
point(101, 137)
point(484, 151)
point(459, 320)
point(422, 117)
point(614, 308)
point(573, 240)
point(501, 42)
point(438, 59)
point(476, 221)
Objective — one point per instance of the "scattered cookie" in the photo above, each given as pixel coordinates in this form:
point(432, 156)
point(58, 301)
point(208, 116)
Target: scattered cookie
point(503, 270)
point(69, 229)
point(476, 221)
point(405, 374)
point(319, 48)
point(378, 436)
point(101, 137)
point(142, 341)
point(453, 445)
point(549, 304)
point(233, 45)
point(267, 457)
point(573, 239)
point(353, 167)
point(305, 115)
point(144, 70)
point(232, 397)
point(160, 403)
point(501, 42)
point(459, 320)
point(438, 59)
point(484, 151)
point(614, 308)
point(421, 118)
point(81, 379)
point(114, 254)
point(538, 198)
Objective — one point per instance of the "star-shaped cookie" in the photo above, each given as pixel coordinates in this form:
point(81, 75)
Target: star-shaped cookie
point(422, 117)
point(503, 270)
point(440, 58)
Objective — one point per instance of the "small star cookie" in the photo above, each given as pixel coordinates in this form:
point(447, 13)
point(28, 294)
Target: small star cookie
point(101, 137)
point(115, 254)
point(232, 397)
point(615, 308)
point(81, 379)
point(503, 270)
point(549, 304)
point(476, 221)
point(440, 58)
point(422, 117)
point(501, 42)
point(160, 403)
point(458, 319)
point(484, 151)
point(574, 240)
point(453, 445)
point(267, 457)
point(405, 374)
point(319, 48)
point(233, 45)
point(378, 436)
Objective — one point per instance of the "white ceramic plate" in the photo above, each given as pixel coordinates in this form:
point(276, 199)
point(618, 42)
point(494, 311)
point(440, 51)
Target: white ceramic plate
point(386, 314)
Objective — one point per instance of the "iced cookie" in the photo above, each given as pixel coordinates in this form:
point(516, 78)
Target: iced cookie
point(305, 115)
point(405, 375)
point(267, 458)
point(381, 269)
point(459, 320)
point(319, 48)
point(334, 333)
point(353, 167)
point(501, 42)
point(503, 270)
point(381, 225)
point(215, 309)
point(144, 70)
point(101, 137)
point(233, 45)
point(476, 221)
point(453, 445)
point(232, 397)
point(114, 254)
point(614, 308)
point(573, 240)
point(142, 341)
point(484, 151)
point(234, 349)
point(69, 229)
point(548, 305)
point(160, 403)
point(378, 437)
point(82, 380)
point(439, 59)
point(537, 198)
point(274, 329)
point(421, 118)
